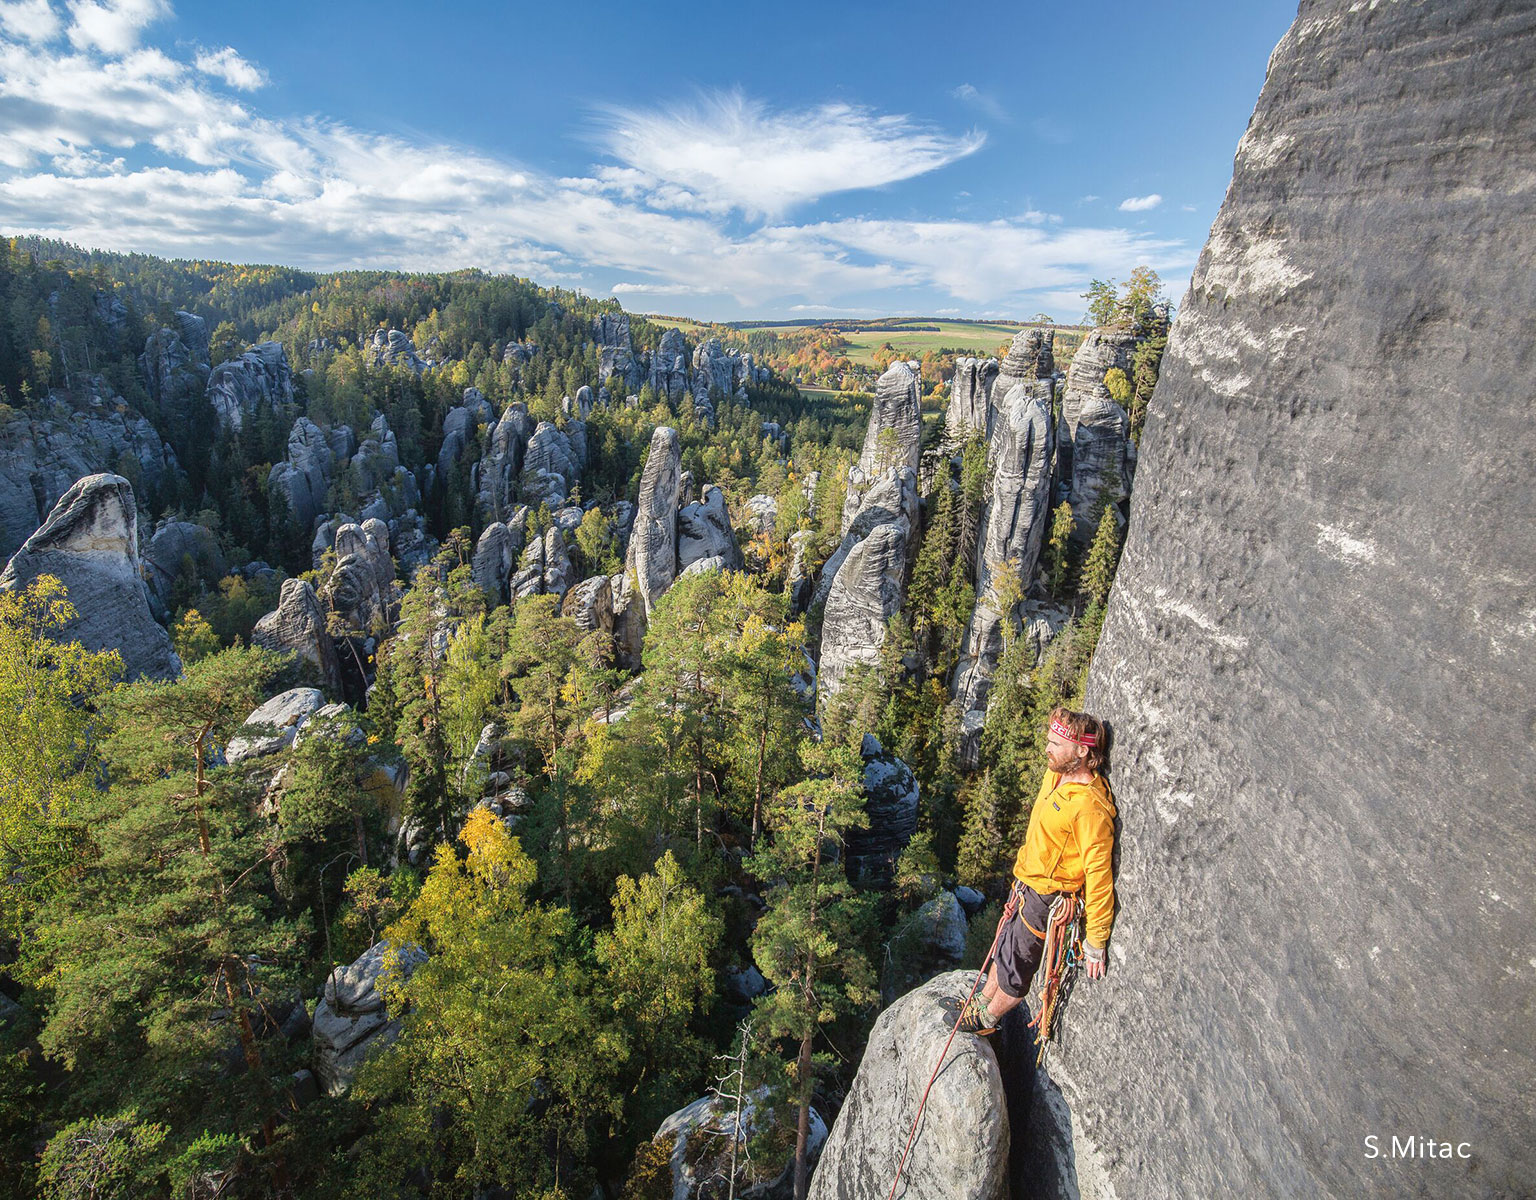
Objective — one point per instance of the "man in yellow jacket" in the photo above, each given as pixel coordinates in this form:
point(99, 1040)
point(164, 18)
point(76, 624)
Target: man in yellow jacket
point(1069, 847)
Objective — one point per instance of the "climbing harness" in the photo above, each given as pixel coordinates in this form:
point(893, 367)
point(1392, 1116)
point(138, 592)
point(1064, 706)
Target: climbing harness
point(1063, 951)
point(1059, 962)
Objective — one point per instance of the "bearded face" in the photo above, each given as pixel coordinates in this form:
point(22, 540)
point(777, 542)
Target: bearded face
point(1062, 756)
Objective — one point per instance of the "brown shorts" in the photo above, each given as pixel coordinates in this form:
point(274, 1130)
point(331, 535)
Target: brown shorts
point(1022, 943)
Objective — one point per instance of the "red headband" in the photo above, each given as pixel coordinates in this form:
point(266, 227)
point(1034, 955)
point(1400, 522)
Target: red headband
point(1066, 735)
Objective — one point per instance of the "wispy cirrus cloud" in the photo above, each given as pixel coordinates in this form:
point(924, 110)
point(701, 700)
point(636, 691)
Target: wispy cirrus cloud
point(106, 141)
point(725, 152)
point(969, 93)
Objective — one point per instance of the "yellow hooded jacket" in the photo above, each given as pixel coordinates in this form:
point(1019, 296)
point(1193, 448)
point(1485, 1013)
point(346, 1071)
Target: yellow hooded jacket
point(1069, 848)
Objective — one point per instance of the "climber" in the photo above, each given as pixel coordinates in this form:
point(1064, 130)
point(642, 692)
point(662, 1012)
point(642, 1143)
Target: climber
point(1068, 848)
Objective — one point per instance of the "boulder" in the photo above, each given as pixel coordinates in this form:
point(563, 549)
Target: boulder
point(891, 801)
point(259, 378)
point(704, 531)
point(762, 514)
point(90, 543)
point(961, 1151)
point(351, 1020)
point(715, 562)
point(1319, 657)
point(590, 604)
point(394, 348)
point(893, 437)
point(701, 1135)
point(929, 942)
point(652, 556)
point(297, 626)
point(274, 725)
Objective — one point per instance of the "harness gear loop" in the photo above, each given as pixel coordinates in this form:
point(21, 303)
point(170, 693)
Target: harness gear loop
point(1008, 911)
point(1063, 951)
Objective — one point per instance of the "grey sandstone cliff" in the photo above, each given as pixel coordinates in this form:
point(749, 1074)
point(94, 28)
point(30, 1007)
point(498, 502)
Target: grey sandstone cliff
point(1012, 531)
point(970, 399)
point(64, 438)
point(893, 437)
point(297, 626)
point(90, 544)
point(1320, 653)
point(651, 560)
point(1094, 431)
point(259, 378)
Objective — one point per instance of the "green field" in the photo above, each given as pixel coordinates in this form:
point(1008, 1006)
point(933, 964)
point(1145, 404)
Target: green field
point(914, 336)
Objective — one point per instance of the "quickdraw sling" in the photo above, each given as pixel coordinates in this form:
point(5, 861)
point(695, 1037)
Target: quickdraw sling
point(1059, 961)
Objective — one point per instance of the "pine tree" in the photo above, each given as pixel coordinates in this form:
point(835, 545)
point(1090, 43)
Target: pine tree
point(806, 943)
point(166, 950)
point(1103, 556)
point(47, 754)
point(1058, 549)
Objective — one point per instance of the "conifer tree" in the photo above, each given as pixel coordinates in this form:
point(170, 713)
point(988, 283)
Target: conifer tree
point(166, 951)
point(47, 749)
point(1103, 556)
point(806, 943)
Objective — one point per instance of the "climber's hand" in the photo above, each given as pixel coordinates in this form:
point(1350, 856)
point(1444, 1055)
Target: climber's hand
point(1093, 956)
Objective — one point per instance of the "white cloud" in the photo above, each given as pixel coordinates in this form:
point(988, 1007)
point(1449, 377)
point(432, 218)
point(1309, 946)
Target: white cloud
point(1089, 199)
point(969, 93)
point(139, 150)
point(30, 20)
point(112, 26)
point(1140, 203)
point(226, 64)
point(1187, 207)
point(726, 152)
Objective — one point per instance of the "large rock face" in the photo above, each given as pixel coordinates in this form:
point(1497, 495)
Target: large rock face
point(304, 476)
point(651, 560)
point(59, 441)
point(1320, 657)
point(551, 465)
point(865, 594)
point(297, 626)
point(669, 365)
point(615, 352)
point(961, 1150)
point(704, 531)
point(90, 543)
point(260, 377)
point(175, 362)
point(1094, 428)
point(502, 466)
point(893, 437)
point(970, 399)
point(1012, 532)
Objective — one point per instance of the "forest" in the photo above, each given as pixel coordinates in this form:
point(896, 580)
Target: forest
point(563, 884)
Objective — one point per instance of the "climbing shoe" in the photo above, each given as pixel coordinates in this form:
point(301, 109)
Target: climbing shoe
point(975, 1018)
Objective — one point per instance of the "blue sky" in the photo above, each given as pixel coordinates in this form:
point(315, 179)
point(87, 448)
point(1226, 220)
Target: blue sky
point(773, 161)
